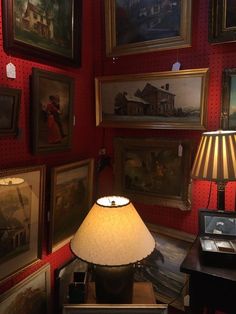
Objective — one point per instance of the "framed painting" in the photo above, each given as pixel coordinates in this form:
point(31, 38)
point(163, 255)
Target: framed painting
point(45, 30)
point(115, 308)
point(228, 103)
point(142, 26)
point(153, 170)
point(21, 217)
point(52, 111)
point(158, 100)
point(222, 21)
point(162, 267)
point(71, 199)
point(31, 295)
point(64, 275)
point(10, 99)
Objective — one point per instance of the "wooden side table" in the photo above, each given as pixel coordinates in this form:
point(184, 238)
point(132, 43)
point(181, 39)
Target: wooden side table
point(142, 294)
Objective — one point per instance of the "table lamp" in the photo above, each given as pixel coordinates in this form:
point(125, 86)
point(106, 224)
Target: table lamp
point(216, 161)
point(113, 238)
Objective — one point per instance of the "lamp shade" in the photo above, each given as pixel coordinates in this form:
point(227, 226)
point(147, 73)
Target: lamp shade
point(216, 157)
point(112, 234)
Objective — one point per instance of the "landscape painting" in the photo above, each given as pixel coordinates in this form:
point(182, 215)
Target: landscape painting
point(71, 192)
point(169, 100)
point(162, 267)
point(228, 110)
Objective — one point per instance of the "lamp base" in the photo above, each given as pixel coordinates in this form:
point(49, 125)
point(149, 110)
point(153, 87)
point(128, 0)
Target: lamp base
point(114, 284)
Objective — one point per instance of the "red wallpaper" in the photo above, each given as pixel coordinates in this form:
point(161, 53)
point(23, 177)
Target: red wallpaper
point(87, 139)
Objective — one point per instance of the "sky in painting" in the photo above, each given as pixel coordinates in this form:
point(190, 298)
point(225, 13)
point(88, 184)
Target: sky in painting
point(233, 95)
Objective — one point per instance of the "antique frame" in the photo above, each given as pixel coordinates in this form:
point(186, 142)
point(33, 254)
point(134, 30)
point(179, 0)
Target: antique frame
point(222, 21)
point(52, 111)
point(26, 202)
point(228, 107)
point(158, 100)
point(115, 308)
point(154, 170)
point(31, 295)
point(63, 277)
point(23, 37)
point(10, 99)
point(160, 268)
point(71, 199)
point(122, 38)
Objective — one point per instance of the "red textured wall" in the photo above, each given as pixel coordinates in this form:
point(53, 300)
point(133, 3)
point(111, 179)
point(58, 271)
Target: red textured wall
point(87, 139)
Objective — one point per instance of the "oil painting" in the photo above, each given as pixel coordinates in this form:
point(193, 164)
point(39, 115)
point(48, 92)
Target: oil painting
point(52, 111)
point(20, 218)
point(158, 100)
point(154, 170)
point(162, 267)
point(31, 295)
point(42, 29)
point(71, 198)
point(141, 26)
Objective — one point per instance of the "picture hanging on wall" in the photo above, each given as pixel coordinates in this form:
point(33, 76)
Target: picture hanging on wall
point(153, 170)
point(222, 21)
point(228, 106)
point(162, 267)
point(71, 199)
point(10, 99)
point(52, 111)
point(46, 30)
point(157, 100)
point(32, 295)
point(142, 26)
point(21, 217)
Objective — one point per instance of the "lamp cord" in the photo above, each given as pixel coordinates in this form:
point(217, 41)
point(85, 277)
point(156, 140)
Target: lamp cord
point(209, 196)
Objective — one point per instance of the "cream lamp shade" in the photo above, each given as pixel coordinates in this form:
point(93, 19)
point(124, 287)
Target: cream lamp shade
point(112, 234)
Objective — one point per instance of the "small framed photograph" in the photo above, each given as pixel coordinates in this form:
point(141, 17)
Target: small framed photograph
point(71, 199)
point(42, 30)
point(160, 268)
point(158, 100)
point(139, 26)
point(222, 21)
point(52, 111)
point(228, 107)
point(21, 218)
point(32, 295)
point(116, 309)
point(10, 99)
point(153, 170)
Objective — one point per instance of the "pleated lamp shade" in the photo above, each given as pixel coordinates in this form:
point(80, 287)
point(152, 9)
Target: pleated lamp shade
point(112, 234)
point(216, 157)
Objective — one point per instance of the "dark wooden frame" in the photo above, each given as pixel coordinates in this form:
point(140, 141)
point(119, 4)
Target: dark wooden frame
point(12, 45)
point(15, 94)
point(145, 148)
point(43, 85)
point(226, 122)
point(218, 31)
point(65, 170)
point(34, 180)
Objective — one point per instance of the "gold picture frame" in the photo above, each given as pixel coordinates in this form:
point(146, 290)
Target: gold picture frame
point(132, 28)
point(157, 100)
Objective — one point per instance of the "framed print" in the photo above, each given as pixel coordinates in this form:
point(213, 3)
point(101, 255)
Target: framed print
point(71, 199)
point(10, 99)
point(52, 111)
point(32, 295)
point(21, 218)
point(44, 30)
point(115, 308)
point(153, 170)
point(64, 275)
point(162, 267)
point(228, 106)
point(222, 21)
point(140, 26)
point(158, 100)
